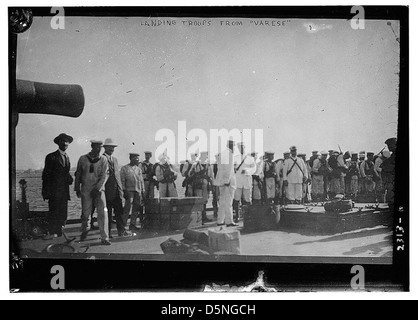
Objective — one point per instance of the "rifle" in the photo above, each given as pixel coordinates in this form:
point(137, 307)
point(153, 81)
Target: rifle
point(283, 195)
point(187, 178)
point(236, 170)
point(201, 175)
point(381, 151)
point(344, 170)
point(264, 191)
point(261, 186)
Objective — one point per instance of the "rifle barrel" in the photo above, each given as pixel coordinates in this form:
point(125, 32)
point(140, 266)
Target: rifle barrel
point(381, 150)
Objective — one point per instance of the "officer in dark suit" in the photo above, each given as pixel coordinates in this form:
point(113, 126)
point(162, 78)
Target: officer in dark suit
point(113, 191)
point(56, 180)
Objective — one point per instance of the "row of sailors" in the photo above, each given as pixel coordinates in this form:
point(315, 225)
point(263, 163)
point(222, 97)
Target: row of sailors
point(244, 178)
point(292, 179)
point(102, 184)
point(322, 176)
point(328, 174)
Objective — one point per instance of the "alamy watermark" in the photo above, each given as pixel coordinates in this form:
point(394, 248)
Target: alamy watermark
point(358, 280)
point(58, 280)
point(58, 21)
point(358, 22)
point(176, 145)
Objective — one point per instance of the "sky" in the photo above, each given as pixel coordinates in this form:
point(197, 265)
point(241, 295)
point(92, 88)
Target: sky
point(315, 84)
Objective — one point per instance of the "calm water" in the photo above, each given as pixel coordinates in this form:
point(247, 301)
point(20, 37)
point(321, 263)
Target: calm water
point(34, 193)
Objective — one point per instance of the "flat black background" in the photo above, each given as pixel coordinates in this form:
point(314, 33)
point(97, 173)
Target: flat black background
point(323, 274)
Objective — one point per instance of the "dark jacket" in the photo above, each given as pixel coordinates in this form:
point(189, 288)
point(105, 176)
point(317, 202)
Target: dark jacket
point(388, 169)
point(56, 178)
point(113, 186)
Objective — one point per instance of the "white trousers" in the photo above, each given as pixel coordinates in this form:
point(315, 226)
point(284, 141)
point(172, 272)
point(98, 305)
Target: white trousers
point(226, 196)
point(294, 191)
point(99, 202)
point(242, 193)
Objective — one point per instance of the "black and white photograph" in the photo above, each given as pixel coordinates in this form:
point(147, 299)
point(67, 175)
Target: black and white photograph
point(209, 149)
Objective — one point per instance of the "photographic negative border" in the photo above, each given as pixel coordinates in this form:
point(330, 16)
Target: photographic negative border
point(289, 273)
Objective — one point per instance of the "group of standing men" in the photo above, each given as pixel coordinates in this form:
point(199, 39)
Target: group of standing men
point(356, 175)
point(233, 179)
point(295, 180)
point(242, 179)
point(102, 186)
point(249, 179)
point(229, 179)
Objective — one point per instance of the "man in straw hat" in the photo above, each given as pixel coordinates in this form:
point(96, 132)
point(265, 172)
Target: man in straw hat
point(56, 181)
point(114, 190)
point(90, 180)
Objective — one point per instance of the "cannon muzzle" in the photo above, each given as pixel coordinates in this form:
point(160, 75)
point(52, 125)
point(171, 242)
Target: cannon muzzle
point(48, 98)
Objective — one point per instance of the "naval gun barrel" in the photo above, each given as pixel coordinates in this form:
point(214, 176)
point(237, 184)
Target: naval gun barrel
point(48, 98)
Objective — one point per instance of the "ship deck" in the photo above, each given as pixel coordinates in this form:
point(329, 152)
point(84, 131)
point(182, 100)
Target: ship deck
point(369, 241)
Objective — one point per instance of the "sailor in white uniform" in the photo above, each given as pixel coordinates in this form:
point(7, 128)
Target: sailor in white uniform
point(294, 175)
point(225, 179)
point(245, 167)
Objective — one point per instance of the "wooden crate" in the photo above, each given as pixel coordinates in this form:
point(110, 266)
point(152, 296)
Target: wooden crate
point(260, 217)
point(152, 206)
point(186, 220)
point(332, 223)
point(175, 214)
point(222, 239)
